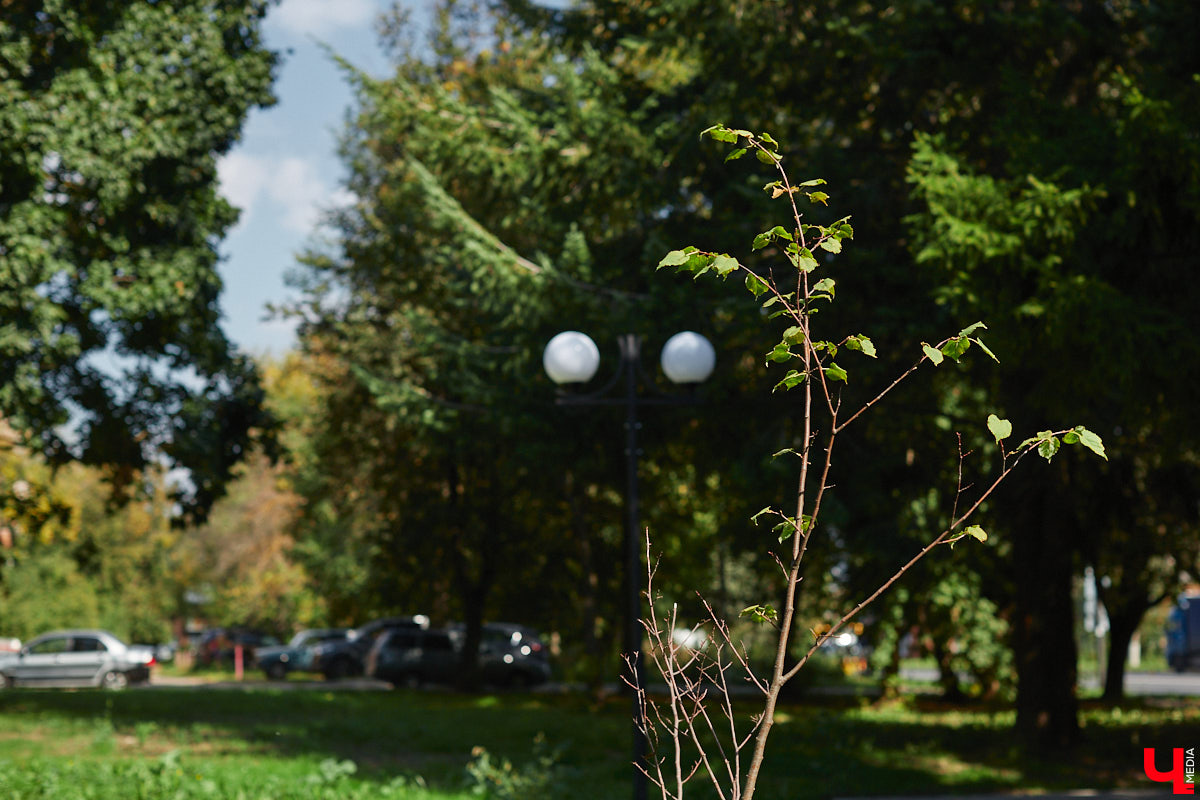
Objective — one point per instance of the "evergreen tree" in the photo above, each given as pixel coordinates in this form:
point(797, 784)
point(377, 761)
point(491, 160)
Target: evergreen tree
point(504, 195)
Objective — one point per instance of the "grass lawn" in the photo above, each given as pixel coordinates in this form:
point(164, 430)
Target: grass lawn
point(315, 743)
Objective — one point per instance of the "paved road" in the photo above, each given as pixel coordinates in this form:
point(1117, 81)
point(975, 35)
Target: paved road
point(1136, 683)
point(256, 681)
point(1155, 683)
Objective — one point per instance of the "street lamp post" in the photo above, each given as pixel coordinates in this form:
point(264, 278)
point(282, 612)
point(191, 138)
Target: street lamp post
point(687, 359)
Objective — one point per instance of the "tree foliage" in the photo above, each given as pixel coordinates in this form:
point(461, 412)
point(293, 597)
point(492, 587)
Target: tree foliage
point(1029, 164)
point(99, 565)
point(504, 195)
point(111, 121)
point(1053, 185)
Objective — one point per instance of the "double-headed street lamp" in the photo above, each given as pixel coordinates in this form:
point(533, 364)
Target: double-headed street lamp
point(687, 359)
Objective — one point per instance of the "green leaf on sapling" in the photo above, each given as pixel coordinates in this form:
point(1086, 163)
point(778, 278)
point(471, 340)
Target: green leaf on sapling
point(1091, 441)
point(955, 347)
point(831, 244)
point(933, 354)
point(720, 133)
point(760, 613)
point(734, 155)
point(862, 344)
point(1000, 428)
point(786, 529)
point(1048, 447)
point(724, 264)
point(827, 285)
point(793, 379)
point(793, 335)
point(756, 285)
point(674, 258)
point(1032, 440)
point(836, 373)
point(976, 532)
point(985, 349)
point(698, 266)
point(766, 510)
point(967, 331)
point(780, 353)
point(805, 260)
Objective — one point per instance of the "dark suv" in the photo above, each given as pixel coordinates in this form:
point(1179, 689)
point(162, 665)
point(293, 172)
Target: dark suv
point(341, 659)
point(513, 655)
point(411, 656)
point(509, 655)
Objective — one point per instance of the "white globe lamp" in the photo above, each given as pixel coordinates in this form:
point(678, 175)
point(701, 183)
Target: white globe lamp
point(688, 357)
point(571, 357)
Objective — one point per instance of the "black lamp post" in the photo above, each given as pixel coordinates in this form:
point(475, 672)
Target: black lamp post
point(573, 358)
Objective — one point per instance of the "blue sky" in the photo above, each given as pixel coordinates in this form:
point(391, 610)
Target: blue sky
point(285, 169)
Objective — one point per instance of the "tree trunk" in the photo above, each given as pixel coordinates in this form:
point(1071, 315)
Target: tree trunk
point(1123, 619)
point(889, 673)
point(589, 590)
point(947, 677)
point(1120, 634)
point(1044, 635)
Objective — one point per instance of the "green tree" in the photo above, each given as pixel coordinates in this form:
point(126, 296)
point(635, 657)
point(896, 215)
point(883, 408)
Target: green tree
point(1052, 259)
point(564, 158)
point(1095, 101)
point(504, 195)
point(107, 567)
point(112, 117)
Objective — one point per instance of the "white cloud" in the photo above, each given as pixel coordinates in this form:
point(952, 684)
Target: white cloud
point(242, 179)
point(298, 191)
point(287, 185)
point(318, 17)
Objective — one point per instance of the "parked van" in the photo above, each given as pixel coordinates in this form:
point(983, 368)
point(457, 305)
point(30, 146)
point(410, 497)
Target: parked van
point(1183, 633)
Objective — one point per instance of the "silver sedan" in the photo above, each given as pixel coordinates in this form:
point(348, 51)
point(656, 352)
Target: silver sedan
point(77, 658)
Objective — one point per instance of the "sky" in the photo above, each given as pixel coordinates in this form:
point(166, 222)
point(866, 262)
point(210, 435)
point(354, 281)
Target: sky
point(285, 169)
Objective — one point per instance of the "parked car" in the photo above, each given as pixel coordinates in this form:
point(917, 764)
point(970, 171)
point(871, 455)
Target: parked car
point(341, 659)
point(509, 655)
point(513, 655)
point(278, 660)
point(1183, 633)
point(218, 646)
point(412, 656)
point(77, 658)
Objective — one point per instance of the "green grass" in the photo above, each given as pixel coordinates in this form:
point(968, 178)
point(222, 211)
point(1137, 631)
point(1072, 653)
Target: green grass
point(315, 743)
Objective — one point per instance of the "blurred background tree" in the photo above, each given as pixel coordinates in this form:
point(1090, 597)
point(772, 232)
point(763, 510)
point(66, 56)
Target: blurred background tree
point(114, 115)
point(1009, 164)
